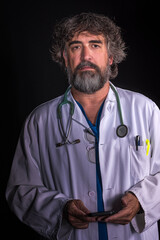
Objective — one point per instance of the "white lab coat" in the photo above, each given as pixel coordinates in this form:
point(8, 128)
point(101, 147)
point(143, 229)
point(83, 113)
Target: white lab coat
point(44, 177)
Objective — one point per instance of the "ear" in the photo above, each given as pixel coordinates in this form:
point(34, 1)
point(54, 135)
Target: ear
point(65, 58)
point(110, 60)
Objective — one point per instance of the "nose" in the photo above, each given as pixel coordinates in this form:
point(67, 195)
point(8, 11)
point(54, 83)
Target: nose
point(86, 54)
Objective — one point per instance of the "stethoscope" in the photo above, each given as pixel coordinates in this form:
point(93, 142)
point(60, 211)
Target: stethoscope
point(121, 130)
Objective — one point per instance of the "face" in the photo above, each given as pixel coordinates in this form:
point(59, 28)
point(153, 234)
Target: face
point(87, 61)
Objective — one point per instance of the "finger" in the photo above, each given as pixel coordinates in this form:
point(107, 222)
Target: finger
point(73, 208)
point(122, 217)
point(80, 211)
point(80, 225)
point(88, 219)
point(77, 222)
point(79, 204)
point(77, 214)
point(101, 219)
point(84, 217)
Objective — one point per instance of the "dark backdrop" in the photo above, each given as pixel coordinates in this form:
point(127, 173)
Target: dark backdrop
point(29, 77)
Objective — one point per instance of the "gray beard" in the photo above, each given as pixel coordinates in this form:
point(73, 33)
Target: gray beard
point(88, 81)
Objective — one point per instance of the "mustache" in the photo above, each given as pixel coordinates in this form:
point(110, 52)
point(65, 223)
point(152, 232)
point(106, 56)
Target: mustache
point(88, 64)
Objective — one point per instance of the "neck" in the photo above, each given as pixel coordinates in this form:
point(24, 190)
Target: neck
point(91, 102)
point(91, 99)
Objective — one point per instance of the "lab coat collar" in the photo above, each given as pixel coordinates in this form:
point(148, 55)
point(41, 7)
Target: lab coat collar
point(109, 102)
point(111, 95)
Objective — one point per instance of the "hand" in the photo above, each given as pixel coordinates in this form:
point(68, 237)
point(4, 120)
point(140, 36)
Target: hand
point(130, 208)
point(76, 214)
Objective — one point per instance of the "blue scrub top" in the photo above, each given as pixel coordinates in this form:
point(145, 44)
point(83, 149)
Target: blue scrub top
point(102, 228)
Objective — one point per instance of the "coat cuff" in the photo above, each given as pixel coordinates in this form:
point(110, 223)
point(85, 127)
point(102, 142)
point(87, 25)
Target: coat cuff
point(138, 222)
point(64, 228)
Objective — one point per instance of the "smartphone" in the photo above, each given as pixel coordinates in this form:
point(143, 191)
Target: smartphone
point(99, 214)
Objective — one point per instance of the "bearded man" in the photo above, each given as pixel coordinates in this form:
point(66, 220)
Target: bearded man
point(79, 171)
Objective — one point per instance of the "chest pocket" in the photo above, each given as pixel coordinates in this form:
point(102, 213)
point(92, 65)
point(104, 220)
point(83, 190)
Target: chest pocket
point(139, 162)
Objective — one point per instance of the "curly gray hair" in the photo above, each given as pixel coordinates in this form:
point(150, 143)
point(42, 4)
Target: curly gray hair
point(95, 24)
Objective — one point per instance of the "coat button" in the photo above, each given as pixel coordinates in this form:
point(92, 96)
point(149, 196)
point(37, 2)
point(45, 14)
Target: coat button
point(91, 193)
point(88, 148)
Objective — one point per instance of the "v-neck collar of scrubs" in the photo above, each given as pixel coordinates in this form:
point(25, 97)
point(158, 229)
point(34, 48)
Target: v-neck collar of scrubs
point(95, 128)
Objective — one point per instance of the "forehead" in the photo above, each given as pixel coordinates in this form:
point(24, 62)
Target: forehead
point(86, 36)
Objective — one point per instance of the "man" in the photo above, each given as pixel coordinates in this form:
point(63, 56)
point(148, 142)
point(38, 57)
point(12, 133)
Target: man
point(73, 158)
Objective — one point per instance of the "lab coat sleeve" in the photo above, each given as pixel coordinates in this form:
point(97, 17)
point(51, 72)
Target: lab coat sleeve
point(148, 190)
point(34, 204)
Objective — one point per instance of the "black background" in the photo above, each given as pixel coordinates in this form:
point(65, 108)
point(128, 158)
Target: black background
point(29, 77)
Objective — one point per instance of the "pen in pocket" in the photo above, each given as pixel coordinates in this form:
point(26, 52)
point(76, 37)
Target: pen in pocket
point(137, 142)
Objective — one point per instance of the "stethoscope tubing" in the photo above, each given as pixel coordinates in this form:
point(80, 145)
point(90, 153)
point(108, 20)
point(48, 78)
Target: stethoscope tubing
point(121, 130)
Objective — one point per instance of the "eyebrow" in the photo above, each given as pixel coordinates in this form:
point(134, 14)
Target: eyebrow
point(91, 41)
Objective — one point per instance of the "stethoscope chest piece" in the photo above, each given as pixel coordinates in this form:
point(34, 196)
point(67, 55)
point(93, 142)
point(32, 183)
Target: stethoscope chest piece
point(122, 131)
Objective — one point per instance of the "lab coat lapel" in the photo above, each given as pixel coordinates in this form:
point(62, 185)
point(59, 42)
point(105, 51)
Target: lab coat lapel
point(108, 118)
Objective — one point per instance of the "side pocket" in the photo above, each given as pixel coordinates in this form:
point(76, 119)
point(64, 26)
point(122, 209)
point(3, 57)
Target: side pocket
point(140, 163)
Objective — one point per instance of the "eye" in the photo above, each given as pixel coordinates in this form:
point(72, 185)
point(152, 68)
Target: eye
point(75, 48)
point(95, 46)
